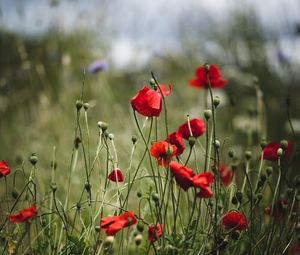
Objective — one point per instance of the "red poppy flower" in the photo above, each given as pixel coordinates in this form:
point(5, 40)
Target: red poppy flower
point(115, 175)
point(279, 211)
point(114, 224)
point(234, 220)
point(197, 127)
point(147, 102)
point(214, 75)
point(163, 152)
point(155, 232)
point(23, 215)
point(270, 151)
point(225, 175)
point(202, 181)
point(4, 168)
point(176, 139)
point(183, 175)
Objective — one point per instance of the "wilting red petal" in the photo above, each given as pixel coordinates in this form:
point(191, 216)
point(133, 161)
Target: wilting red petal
point(176, 139)
point(115, 175)
point(23, 215)
point(270, 151)
point(183, 175)
point(114, 224)
point(154, 232)
point(4, 168)
point(234, 220)
point(197, 126)
point(200, 81)
point(163, 152)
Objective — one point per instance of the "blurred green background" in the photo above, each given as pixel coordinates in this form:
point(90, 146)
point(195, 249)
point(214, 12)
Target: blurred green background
point(46, 46)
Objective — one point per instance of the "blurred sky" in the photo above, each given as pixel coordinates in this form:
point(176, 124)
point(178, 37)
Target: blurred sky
point(138, 25)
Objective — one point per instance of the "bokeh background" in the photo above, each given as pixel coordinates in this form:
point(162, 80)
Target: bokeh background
point(46, 47)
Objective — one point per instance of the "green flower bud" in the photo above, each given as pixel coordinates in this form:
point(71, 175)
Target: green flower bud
point(206, 67)
point(78, 206)
point(192, 141)
point(53, 187)
point(138, 239)
point(79, 104)
point(134, 139)
point(234, 200)
point(152, 82)
point(97, 229)
point(86, 106)
point(231, 153)
point(269, 170)
point(77, 141)
point(102, 125)
point(217, 144)
point(14, 193)
point(284, 144)
point(216, 101)
point(109, 241)
point(88, 187)
point(33, 159)
point(207, 114)
point(140, 226)
point(248, 155)
point(111, 137)
point(279, 152)
point(155, 197)
point(263, 177)
point(139, 194)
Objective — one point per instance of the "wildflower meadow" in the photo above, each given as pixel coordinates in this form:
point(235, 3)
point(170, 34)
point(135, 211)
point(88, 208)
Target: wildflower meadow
point(182, 188)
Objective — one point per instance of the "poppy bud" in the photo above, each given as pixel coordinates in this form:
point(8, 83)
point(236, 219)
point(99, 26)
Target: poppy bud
point(192, 141)
point(239, 196)
point(207, 114)
point(134, 139)
point(248, 155)
point(216, 101)
point(260, 183)
point(87, 187)
point(155, 197)
point(139, 194)
point(231, 153)
point(234, 200)
point(111, 137)
point(77, 141)
point(53, 187)
point(234, 166)
point(235, 235)
point(103, 125)
point(109, 240)
point(220, 207)
point(206, 67)
point(269, 170)
point(140, 226)
point(86, 106)
point(169, 151)
point(284, 144)
point(279, 152)
point(97, 229)
point(33, 159)
point(14, 193)
point(79, 105)
point(138, 239)
point(217, 144)
point(263, 143)
point(152, 82)
point(78, 206)
point(210, 203)
point(222, 243)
